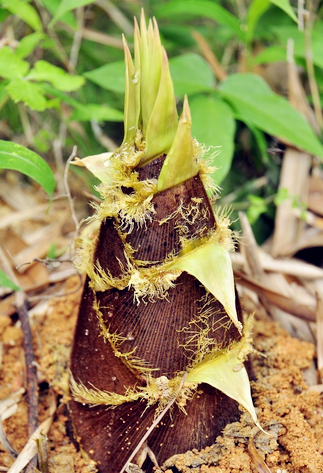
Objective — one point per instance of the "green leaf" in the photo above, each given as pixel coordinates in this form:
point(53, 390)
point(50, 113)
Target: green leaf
point(291, 32)
point(97, 112)
point(259, 136)
point(256, 9)
point(191, 74)
point(205, 8)
point(109, 77)
point(3, 14)
point(49, 90)
point(28, 44)
point(66, 6)
point(257, 207)
point(19, 158)
point(24, 11)
point(281, 196)
point(254, 101)
point(52, 6)
point(6, 282)
point(213, 124)
point(286, 7)
point(61, 80)
point(11, 65)
point(28, 93)
point(270, 54)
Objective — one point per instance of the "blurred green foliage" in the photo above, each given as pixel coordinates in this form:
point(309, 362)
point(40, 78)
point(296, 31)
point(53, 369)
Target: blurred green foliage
point(62, 78)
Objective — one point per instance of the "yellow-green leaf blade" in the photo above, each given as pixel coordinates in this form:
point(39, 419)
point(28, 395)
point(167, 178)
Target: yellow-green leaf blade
point(227, 373)
point(210, 263)
point(179, 164)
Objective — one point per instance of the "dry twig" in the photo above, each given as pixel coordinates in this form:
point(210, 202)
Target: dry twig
point(31, 369)
point(210, 56)
point(152, 427)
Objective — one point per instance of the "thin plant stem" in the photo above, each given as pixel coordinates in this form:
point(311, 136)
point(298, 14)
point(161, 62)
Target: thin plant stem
point(67, 188)
point(25, 124)
point(300, 11)
point(77, 39)
point(4, 100)
point(210, 56)
point(116, 16)
point(311, 72)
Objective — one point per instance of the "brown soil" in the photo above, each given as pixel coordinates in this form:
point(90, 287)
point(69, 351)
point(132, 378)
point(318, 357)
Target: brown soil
point(287, 409)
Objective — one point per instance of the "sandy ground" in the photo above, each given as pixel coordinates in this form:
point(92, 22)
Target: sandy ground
point(290, 412)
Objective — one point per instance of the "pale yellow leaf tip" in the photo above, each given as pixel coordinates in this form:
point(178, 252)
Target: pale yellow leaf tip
point(224, 370)
point(211, 264)
point(228, 375)
point(99, 165)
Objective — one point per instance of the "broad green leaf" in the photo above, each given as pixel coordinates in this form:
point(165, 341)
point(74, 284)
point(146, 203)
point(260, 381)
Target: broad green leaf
point(30, 94)
point(28, 44)
point(177, 36)
point(19, 158)
point(256, 9)
point(97, 112)
point(291, 32)
point(286, 6)
point(210, 263)
point(5, 281)
point(52, 6)
point(191, 74)
point(110, 77)
point(254, 101)
point(24, 11)
point(205, 8)
point(61, 80)
point(66, 6)
point(3, 14)
point(270, 54)
point(213, 124)
point(11, 65)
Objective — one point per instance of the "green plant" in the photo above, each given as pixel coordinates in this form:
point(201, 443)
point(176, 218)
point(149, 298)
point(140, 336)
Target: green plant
point(19, 158)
